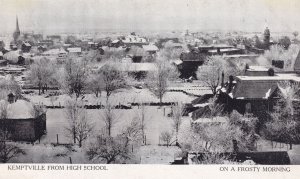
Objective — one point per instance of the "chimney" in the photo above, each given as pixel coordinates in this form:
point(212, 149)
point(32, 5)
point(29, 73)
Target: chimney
point(11, 98)
point(222, 80)
point(230, 86)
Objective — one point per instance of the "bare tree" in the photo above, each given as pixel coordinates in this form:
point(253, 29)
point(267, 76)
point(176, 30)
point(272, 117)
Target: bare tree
point(210, 73)
point(116, 149)
point(158, 81)
point(166, 137)
point(9, 86)
point(109, 118)
point(96, 84)
point(79, 125)
point(112, 79)
point(143, 120)
point(177, 113)
point(284, 126)
point(215, 109)
point(41, 74)
point(277, 52)
point(109, 149)
point(8, 150)
point(209, 158)
point(218, 134)
point(75, 76)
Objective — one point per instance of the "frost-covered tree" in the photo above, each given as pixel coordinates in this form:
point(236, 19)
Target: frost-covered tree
point(158, 80)
point(79, 127)
point(41, 73)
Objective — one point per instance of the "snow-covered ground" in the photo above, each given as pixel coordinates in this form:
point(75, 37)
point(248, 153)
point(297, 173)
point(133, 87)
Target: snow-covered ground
point(122, 97)
point(155, 121)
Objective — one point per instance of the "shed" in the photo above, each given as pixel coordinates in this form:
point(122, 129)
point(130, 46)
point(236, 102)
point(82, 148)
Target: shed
point(24, 121)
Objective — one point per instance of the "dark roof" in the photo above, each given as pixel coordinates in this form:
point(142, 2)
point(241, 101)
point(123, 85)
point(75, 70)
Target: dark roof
point(202, 99)
point(297, 63)
point(254, 89)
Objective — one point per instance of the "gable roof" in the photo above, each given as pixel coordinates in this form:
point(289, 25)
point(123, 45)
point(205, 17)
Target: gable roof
point(20, 109)
point(150, 48)
point(74, 50)
point(254, 89)
point(297, 63)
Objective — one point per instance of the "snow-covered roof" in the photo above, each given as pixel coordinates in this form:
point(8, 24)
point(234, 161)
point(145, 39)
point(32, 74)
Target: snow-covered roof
point(12, 56)
point(27, 44)
point(74, 50)
point(201, 105)
point(115, 41)
point(177, 62)
point(217, 119)
point(277, 77)
point(134, 39)
point(257, 68)
point(20, 109)
point(150, 48)
point(55, 51)
point(134, 67)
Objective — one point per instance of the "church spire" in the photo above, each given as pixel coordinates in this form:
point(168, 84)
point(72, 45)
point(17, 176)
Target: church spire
point(17, 25)
point(17, 32)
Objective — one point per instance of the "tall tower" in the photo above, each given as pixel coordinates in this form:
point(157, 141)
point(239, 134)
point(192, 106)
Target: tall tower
point(17, 32)
point(267, 37)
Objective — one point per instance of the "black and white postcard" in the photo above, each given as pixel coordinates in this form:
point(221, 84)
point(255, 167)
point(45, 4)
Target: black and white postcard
point(149, 88)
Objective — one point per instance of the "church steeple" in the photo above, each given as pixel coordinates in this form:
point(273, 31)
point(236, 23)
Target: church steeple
point(17, 32)
point(17, 25)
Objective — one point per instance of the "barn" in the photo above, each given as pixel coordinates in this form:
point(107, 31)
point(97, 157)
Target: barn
point(23, 120)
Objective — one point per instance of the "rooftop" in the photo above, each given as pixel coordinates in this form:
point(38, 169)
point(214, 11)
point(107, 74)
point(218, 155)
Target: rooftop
point(20, 109)
point(150, 48)
point(74, 50)
point(277, 77)
point(257, 68)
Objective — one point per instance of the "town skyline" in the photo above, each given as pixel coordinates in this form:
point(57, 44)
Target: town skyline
point(49, 16)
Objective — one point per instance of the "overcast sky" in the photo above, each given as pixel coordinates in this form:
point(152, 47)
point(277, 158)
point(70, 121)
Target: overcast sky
point(245, 15)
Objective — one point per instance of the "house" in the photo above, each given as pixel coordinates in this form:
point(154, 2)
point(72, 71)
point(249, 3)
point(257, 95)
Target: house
point(74, 51)
point(92, 45)
point(117, 43)
point(54, 38)
point(151, 49)
point(23, 121)
point(47, 43)
point(191, 60)
point(134, 40)
point(55, 52)
point(14, 57)
point(25, 47)
point(257, 91)
point(42, 48)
